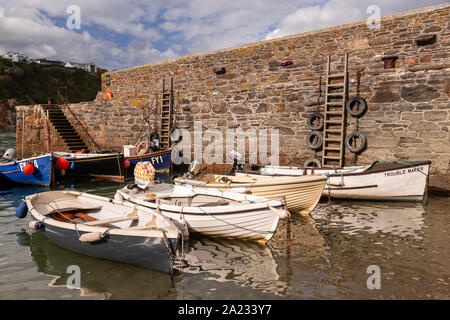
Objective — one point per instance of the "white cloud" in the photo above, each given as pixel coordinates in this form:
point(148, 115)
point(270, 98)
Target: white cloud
point(24, 28)
point(118, 34)
point(207, 25)
point(336, 12)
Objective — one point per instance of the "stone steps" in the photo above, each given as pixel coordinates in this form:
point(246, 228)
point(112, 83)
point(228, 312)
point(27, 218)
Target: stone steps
point(65, 129)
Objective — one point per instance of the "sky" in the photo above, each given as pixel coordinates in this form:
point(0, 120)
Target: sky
point(117, 34)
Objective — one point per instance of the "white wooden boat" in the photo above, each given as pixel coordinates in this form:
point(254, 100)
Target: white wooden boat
point(381, 180)
point(211, 212)
point(301, 193)
point(102, 228)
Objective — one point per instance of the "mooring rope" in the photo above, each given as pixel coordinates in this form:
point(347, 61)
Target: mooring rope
point(234, 225)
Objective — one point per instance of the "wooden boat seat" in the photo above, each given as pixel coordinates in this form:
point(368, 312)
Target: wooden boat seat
point(64, 216)
point(65, 205)
point(133, 215)
point(110, 220)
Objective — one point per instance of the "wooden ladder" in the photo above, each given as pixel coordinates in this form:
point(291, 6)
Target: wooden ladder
point(335, 116)
point(166, 115)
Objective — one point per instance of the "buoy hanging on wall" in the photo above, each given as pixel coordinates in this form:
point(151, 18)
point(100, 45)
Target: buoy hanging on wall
point(108, 94)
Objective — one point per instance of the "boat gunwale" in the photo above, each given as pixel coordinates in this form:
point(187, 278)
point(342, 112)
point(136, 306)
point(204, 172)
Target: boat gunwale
point(15, 162)
point(80, 227)
point(364, 172)
point(152, 154)
point(233, 209)
point(204, 184)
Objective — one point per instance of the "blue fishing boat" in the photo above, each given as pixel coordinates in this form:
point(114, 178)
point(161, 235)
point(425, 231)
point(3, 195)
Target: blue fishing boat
point(107, 166)
point(35, 170)
point(160, 160)
point(88, 164)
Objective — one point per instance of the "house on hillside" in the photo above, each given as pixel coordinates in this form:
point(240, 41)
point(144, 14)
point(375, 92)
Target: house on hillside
point(90, 67)
point(15, 56)
point(49, 62)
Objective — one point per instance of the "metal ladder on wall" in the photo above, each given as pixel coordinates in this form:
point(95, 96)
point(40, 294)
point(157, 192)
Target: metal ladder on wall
point(166, 115)
point(335, 116)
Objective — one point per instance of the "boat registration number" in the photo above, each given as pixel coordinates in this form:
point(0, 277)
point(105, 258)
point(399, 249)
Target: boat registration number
point(23, 164)
point(157, 159)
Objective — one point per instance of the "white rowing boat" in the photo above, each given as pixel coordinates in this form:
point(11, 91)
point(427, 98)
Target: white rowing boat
point(102, 228)
point(301, 193)
point(381, 180)
point(211, 212)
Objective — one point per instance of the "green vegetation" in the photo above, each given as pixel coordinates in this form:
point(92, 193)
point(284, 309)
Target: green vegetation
point(34, 83)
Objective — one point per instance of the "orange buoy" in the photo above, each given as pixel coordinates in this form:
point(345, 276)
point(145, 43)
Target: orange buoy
point(28, 169)
point(62, 163)
point(108, 94)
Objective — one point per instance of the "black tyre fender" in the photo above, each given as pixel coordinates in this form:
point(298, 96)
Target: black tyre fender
point(175, 134)
point(153, 136)
point(309, 163)
point(361, 146)
point(362, 106)
point(312, 118)
point(310, 139)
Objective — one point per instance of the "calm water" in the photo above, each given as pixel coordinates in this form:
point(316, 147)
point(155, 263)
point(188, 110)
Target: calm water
point(328, 259)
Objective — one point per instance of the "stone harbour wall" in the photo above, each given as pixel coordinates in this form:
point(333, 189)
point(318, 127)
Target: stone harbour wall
point(247, 87)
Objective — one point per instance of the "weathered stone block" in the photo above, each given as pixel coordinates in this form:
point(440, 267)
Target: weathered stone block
point(423, 126)
point(220, 108)
point(383, 95)
point(241, 110)
point(419, 93)
point(435, 115)
point(414, 116)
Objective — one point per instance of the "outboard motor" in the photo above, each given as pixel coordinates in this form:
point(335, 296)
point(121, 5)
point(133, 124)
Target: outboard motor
point(238, 162)
point(154, 145)
point(194, 169)
point(154, 141)
point(10, 154)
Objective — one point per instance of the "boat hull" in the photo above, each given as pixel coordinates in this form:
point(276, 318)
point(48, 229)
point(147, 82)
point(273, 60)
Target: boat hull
point(160, 160)
point(152, 244)
point(253, 221)
point(144, 252)
point(12, 173)
point(91, 165)
point(404, 181)
point(301, 195)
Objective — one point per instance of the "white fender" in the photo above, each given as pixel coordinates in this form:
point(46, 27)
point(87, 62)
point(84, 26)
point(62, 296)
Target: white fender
point(283, 214)
point(90, 237)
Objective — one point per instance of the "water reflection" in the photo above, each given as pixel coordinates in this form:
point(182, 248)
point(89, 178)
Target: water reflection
point(10, 196)
point(244, 263)
point(99, 278)
point(406, 219)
